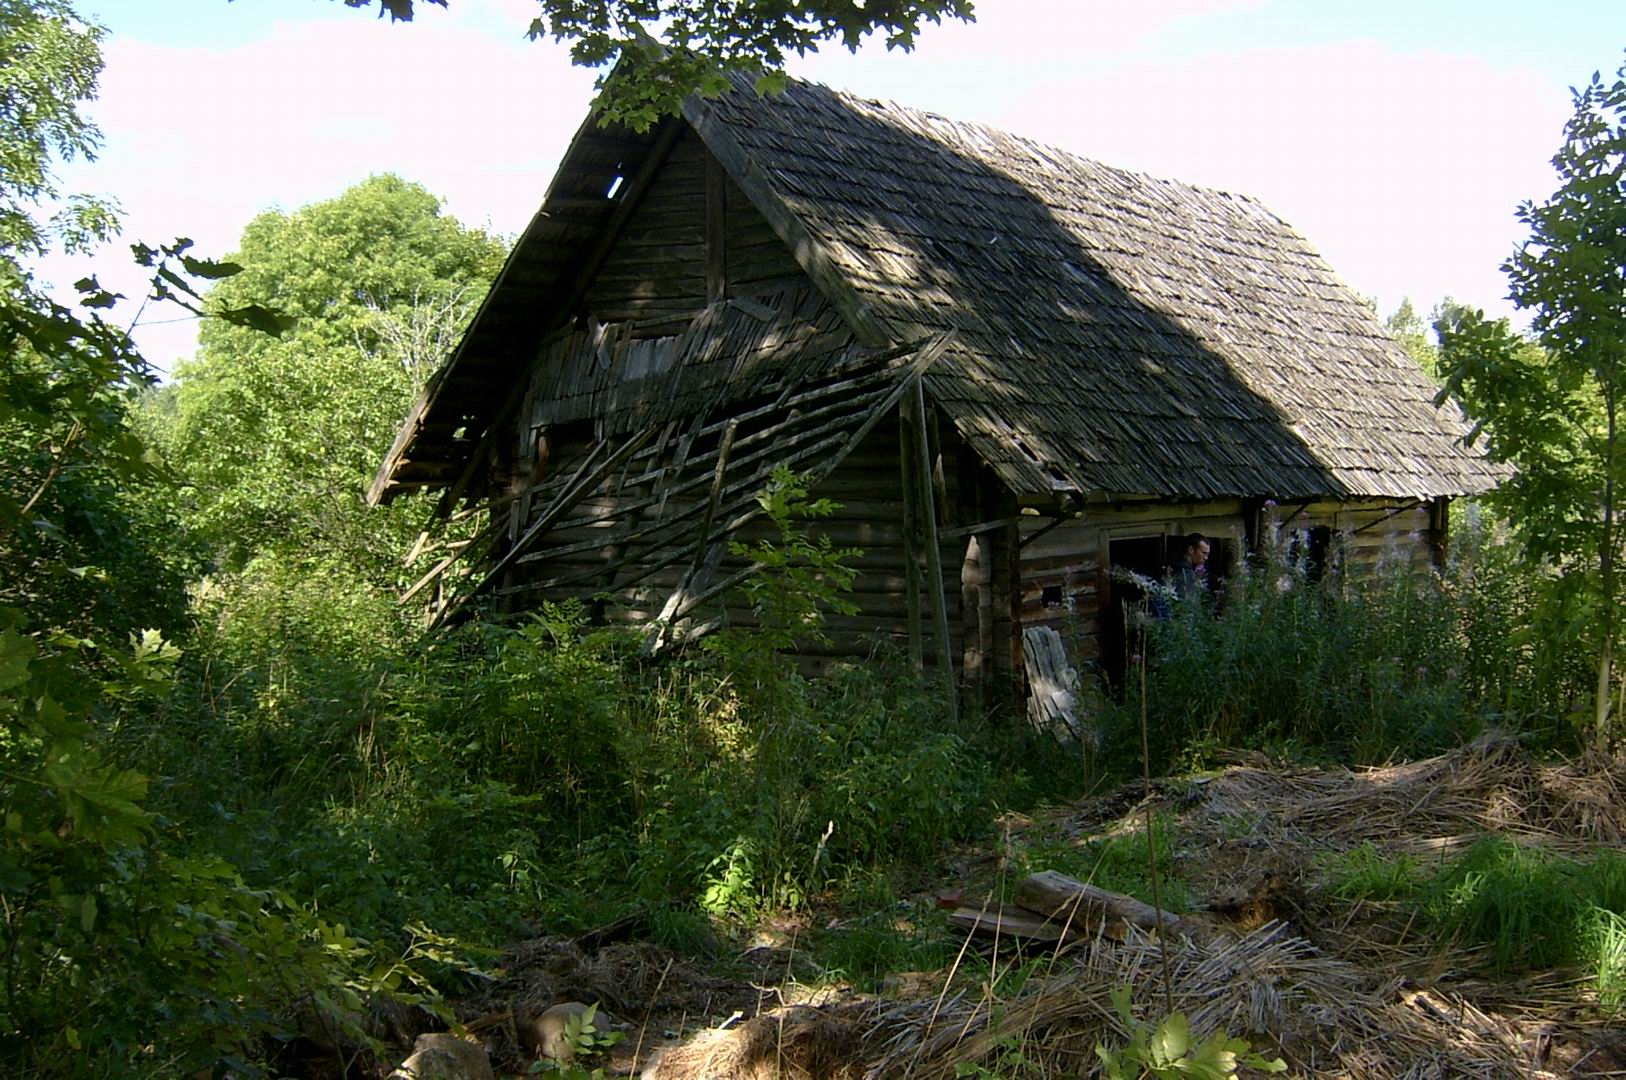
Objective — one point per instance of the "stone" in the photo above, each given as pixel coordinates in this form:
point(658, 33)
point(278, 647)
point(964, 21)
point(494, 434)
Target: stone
point(544, 1035)
point(441, 1055)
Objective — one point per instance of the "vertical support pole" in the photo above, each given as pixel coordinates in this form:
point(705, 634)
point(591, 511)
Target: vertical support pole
point(934, 554)
point(1439, 530)
point(716, 231)
point(911, 556)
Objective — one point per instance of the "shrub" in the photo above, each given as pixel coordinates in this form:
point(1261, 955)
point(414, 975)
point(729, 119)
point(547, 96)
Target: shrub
point(1399, 661)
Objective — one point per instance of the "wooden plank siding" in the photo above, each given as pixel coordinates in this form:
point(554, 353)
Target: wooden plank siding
point(693, 224)
point(576, 562)
point(1071, 559)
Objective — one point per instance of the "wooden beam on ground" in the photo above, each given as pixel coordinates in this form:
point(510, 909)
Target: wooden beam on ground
point(1062, 899)
point(1013, 924)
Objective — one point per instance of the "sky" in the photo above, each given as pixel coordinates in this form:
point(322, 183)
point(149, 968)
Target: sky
point(1399, 136)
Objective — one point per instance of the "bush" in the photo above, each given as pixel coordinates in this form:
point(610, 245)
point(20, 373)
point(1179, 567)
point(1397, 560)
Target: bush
point(1399, 661)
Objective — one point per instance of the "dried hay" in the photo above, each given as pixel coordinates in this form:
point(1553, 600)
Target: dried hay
point(797, 1042)
point(1326, 1016)
point(1489, 786)
point(629, 978)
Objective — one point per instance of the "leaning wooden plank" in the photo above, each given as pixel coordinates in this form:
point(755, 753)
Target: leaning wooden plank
point(1061, 899)
point(936, 590)
point(928, 356)
point(742, 493)
point(566, 500)
point(477, 544)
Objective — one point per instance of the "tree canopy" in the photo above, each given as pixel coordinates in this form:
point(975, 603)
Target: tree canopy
point(278, 436)
point(679, 46)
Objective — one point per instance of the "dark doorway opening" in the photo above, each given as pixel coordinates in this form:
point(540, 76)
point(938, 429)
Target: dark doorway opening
point(1148, 557)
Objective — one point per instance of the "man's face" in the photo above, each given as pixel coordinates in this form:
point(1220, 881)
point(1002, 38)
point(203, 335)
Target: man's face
point(1198, 554)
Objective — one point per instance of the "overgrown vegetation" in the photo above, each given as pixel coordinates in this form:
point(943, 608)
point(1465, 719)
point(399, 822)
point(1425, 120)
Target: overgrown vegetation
point(242, 797)
point(1359, 666)
point(1521, 908)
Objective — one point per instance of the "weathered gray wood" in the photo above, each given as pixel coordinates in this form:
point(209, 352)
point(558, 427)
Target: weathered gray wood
point(1060, 898)
point(810, 254)
point(716, 222)
point(629, 201)
point(911, 513)
point(566, 500)
point(1052, 684)
point(1013, 924)
point(936, 590)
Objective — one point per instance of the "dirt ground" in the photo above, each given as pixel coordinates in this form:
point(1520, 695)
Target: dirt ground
point(1337, 988)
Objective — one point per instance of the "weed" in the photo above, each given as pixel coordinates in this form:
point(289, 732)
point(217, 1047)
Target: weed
point(1166, 1050)
point(865, 950)
point(1366, 874)
point(1122, 862)
point(1532, 910)
point(1607, 953)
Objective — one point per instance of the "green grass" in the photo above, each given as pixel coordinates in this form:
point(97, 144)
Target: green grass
point(1121, 863)
point(866, 950)
point(1366, 874)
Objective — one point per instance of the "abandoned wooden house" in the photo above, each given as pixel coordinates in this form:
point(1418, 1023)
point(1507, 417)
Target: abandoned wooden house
point(1015, 369)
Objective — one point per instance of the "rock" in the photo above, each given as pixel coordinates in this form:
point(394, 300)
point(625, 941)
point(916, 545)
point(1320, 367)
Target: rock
point(441, 1055)
point(545, 1035)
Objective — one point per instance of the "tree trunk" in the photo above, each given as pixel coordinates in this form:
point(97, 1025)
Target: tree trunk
point(1606, 568)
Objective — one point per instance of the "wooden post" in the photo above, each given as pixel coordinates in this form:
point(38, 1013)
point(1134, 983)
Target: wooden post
point(911, 565)
point(716, 221)
point(935, 590)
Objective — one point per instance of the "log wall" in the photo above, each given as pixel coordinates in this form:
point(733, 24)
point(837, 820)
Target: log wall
point(693, 237)
point(580, 551)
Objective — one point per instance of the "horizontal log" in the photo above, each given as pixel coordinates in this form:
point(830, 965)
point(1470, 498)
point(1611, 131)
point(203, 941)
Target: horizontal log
point(1012, 924)
point(1066, 900)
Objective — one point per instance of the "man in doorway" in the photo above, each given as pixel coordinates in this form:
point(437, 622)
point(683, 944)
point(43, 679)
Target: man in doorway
point(1189, 573)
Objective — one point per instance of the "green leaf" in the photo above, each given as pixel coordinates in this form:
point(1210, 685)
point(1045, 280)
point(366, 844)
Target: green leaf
point(1172, 1039)
point(209, 268)
point(100, 797)
point(87, 914)
point(257, 317)
point(16, 652)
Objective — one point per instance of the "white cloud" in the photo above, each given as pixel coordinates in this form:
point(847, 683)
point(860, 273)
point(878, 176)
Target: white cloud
point(1402, 167)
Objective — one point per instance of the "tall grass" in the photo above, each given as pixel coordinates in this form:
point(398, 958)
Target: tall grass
point(1398, 661)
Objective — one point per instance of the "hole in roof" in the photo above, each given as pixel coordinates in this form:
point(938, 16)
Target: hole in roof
point(615, 186)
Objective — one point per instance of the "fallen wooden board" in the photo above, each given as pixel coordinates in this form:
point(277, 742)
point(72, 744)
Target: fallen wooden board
point(1016, 924)
point(1068, 901)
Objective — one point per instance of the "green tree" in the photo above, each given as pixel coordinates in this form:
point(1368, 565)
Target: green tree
point(277, 438)
point(1407, 327)
point(1552, 405)
point(700, 41)
point(50, 59)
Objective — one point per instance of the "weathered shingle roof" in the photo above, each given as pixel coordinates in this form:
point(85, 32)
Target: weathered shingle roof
point(1114, 334)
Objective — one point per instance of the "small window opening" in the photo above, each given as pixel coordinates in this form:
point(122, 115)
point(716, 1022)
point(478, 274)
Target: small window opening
point(1315, 550)
point(615, 186)
point(1052, 596)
